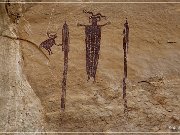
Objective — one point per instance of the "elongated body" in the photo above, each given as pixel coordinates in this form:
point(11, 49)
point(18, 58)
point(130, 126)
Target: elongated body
point(125, 47)
point(65, 49)
point(93, 39)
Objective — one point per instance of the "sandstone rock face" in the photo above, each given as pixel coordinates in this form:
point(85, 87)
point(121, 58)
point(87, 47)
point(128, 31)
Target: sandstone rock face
point(21, 109)
point(153, 70)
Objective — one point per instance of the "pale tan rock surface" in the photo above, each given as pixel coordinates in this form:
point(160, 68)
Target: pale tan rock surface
point(21, 109)
point(153, 103)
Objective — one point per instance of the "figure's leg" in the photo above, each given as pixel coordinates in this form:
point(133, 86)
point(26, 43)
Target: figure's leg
point(50, 50)
point(94, 80)
point(88, 78)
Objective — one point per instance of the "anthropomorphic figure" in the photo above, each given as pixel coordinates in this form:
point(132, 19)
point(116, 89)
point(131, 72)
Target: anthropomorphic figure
point(125, 47)
point(65, 49)
point(93, 38)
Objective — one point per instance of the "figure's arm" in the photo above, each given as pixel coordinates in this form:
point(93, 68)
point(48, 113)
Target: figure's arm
point(81, 24)
point(106, 24)
point(58, 44)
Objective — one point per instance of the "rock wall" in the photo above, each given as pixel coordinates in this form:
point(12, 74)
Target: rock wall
point(153, 70)
point(21, 110)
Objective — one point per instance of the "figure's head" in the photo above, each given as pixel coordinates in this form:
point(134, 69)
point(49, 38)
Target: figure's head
point(94, 18)
point(126, 23)
point(52, 35)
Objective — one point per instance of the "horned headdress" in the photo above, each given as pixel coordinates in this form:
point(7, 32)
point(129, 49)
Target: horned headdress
point(97, 16)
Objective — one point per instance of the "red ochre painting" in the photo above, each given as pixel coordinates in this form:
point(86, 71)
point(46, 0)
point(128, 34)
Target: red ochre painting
point(89, 67)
